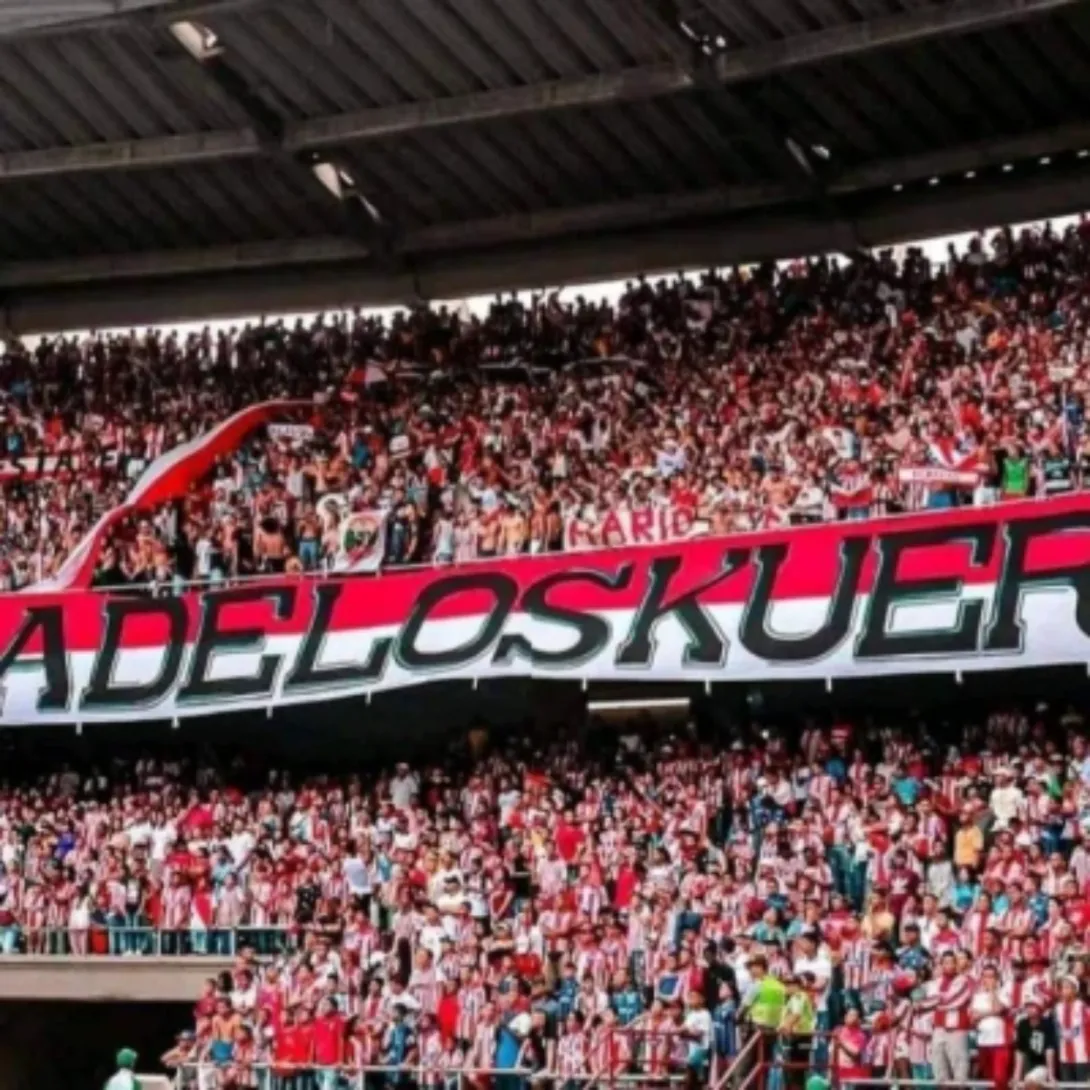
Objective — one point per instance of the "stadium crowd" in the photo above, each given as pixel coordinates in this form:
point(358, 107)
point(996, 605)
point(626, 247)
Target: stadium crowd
point(867, 898)
point(815, 390)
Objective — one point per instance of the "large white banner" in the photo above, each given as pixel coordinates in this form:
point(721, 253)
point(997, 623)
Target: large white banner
point(967, 590)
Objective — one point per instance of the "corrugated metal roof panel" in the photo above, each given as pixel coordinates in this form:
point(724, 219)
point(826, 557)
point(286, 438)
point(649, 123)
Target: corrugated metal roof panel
point(128, 80)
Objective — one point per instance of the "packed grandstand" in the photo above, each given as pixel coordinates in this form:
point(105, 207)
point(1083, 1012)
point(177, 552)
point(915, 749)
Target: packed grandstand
point(770, 397)
point(851, 894)
point(859, 897)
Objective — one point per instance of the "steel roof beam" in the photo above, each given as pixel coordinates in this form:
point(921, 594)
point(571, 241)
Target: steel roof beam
point(855, 39)
point(156, 151)
point(115, 16)
point(559, 222)
point(662, 248)
point(552, 223)
point(17, 16)
point(979, 155)
point(170, 151)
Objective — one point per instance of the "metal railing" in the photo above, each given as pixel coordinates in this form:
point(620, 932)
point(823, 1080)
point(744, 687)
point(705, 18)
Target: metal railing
point(204, 1075)
point(141, 940)
point(767, 1061)
point(891, 1082)
point(745, 1060)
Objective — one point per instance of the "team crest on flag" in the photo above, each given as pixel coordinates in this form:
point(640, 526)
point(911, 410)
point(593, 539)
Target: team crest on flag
point(363, 540)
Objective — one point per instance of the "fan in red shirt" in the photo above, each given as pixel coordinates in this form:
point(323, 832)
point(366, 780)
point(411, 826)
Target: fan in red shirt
point(569, 837)
point(293, 1044)
point(527, 963)
point(449, 1010)
point(328, 1034)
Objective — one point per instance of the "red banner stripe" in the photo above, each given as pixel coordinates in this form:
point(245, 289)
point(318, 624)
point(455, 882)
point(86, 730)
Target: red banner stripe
point(809, 571)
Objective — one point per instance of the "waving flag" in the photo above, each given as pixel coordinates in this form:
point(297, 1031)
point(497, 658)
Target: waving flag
point(168, 478)
point(957, 467)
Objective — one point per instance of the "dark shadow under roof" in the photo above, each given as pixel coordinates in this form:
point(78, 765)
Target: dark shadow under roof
point(403, 150)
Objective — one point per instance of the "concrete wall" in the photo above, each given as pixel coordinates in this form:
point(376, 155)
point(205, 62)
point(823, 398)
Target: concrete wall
point(107, 979)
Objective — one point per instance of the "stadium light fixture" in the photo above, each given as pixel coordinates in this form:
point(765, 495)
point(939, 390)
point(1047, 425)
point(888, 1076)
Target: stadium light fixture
point(342, 186)
point(197, 40)
point(798, 155)
point(664, 704)
point(372, 211)
point(336, 179)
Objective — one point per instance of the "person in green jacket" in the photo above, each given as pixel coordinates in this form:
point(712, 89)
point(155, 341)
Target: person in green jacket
point(762, 1006)
point(766, 997)
point(123, 1078)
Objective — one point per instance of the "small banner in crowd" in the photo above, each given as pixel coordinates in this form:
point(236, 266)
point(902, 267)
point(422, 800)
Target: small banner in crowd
point(32, 467)
point(644, 526)
point(938, 477)
point(951, 467)
point(295, 434)
point(361, 535)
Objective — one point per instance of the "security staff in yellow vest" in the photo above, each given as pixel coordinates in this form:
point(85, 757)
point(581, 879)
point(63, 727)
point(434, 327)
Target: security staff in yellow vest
point(797, 1028)
point(763, 1006)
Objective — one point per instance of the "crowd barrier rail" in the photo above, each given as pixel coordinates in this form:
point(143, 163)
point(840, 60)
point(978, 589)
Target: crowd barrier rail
point(280, 1076)
point(123, 940)
point(891, 1082)
point(763, 1063)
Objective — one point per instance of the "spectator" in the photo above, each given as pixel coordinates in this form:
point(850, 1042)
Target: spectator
point(1035, 1047)
point(991, 1019)
point(1072, 1017)
point(123, 1078)
point(797, 1028)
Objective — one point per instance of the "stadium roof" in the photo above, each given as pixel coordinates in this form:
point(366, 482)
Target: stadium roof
point(165, 160)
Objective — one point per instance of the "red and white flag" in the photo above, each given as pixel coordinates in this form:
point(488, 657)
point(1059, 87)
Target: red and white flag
point(852, 488)
point(962, 468)
point(167, 478)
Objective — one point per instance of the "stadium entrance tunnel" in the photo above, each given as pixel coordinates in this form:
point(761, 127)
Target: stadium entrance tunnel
point(60, 1046)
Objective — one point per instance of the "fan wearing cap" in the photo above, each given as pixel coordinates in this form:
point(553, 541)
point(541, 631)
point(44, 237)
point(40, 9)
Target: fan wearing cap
point(1035, 1046)
point(123, 1078)
point(1072, 1017)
